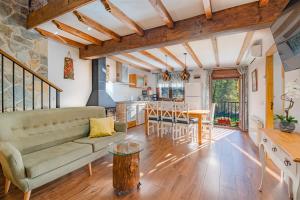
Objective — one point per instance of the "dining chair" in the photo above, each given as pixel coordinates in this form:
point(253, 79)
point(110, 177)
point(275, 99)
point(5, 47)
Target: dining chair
point(208, 124)
point(153, 116)
point(167, 117)
point(184, 125)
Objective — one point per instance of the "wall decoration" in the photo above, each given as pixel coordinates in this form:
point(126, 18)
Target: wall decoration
point(68, 67)
point(107, 73)
point(254, 81)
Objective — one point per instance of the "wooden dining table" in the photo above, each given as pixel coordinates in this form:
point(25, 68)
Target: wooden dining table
point(199, 114)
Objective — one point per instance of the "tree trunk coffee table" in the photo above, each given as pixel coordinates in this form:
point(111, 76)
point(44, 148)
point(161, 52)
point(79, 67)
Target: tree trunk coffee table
point(126, 173)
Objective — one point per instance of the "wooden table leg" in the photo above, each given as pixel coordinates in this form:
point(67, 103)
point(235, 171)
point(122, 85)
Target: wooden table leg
point(199, 129)
point(263, 165)
point(146, 123)
point(126, 174)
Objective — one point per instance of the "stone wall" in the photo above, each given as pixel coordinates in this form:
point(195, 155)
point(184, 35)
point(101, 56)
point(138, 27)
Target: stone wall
point(26, 46)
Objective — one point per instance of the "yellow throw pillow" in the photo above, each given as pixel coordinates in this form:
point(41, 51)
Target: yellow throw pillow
point(100, 127)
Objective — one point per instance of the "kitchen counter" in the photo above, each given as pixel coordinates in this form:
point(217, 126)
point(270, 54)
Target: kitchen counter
point(131, 112)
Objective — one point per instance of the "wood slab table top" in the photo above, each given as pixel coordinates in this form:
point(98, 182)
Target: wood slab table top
point(288, 142)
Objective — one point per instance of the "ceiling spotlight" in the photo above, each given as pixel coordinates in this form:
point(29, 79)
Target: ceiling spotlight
point(56, 33)
point(89, 28)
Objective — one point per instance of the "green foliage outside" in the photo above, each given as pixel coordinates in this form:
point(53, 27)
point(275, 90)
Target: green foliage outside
point(225, 90)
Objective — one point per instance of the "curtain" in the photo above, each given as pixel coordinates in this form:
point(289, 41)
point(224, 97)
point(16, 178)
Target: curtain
point(243, 70)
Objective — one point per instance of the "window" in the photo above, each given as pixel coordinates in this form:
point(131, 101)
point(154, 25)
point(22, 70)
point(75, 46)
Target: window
point(171, 89)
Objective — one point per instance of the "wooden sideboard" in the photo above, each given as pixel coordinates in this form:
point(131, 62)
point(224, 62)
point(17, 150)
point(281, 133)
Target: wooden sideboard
point(284, 150)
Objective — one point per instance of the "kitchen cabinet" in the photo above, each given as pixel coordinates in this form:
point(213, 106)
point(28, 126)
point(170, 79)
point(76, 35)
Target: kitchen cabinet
point(131, 112)
point(137, 81)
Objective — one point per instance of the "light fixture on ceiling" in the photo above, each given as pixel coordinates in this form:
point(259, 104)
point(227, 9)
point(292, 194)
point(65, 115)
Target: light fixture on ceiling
point(185, 75)
point(89, 28)
point(55, 33)
point(166, 75)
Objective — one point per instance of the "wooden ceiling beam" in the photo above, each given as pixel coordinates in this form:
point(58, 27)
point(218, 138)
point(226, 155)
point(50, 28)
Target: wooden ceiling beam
point(153, 57)
point(76, 32)
point(246, 17)
point(129, 63)
point(245, 46)
point(136, 59)
point(216, 50)
point(167, 52)
point(52, 10)
point(190, 51)
point(207, 9)
point(115, 11)
point(95, 25)
point(60, 38)
point(263, 3)
point(162, 11)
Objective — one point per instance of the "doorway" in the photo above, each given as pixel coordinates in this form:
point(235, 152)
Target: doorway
point(225, 93)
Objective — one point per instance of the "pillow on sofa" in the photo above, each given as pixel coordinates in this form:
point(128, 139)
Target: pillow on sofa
point(100, 127)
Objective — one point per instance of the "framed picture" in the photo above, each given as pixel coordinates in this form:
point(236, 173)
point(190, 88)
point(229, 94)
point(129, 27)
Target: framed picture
point(254, 80)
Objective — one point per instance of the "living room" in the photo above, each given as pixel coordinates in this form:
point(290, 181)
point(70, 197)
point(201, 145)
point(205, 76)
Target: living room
point(144, 99)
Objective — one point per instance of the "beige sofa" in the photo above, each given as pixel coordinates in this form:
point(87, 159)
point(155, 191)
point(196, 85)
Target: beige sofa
point(37, 147)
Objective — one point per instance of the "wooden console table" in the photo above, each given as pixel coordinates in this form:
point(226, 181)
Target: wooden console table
point(284, 150)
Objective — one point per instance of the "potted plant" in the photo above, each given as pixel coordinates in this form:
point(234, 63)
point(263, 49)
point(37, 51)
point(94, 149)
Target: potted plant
point(287, 123)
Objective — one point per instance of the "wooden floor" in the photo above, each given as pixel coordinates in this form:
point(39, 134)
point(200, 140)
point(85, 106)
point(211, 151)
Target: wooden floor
point(228, 168)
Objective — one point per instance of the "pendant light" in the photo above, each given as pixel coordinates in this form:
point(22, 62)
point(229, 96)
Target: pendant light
point(166, 75)
point(185, 75)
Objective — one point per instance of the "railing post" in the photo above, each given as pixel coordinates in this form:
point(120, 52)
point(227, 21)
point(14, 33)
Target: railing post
point(57, 99)
point(24, 95)
point(42, 95)
point(2, 81)
point(49, 96)
point(13, 86)
point(32, 91)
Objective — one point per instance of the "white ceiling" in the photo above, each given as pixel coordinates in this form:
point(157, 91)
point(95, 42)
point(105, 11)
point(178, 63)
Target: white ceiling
point(142, 12)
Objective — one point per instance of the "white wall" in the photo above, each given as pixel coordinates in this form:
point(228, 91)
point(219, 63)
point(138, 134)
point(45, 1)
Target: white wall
point(75, 92)
point(257, 100)
point(122, 92)
point(295, 111)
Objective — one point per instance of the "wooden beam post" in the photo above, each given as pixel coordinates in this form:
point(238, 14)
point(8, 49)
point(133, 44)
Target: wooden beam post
point(129, 63)
point(153, 57)
point(76, 32)
point(95, 25)
point(115, 11)
point(60, 38)
point(52, 10)
point(207, 8)
point(245, 47)
point(136, 59)
point(167, 52)
point(216, 50)
point(246, 17)
point(189, 49)
point(162, 11)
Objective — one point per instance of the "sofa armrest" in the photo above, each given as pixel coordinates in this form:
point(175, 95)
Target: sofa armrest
point(120, 127)
point(11, 161)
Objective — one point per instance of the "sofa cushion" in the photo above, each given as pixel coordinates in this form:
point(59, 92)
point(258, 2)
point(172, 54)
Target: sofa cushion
point(101, 142)
point(43, 161)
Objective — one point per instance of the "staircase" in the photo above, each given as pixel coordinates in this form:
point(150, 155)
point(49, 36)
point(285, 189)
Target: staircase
point(23, 89)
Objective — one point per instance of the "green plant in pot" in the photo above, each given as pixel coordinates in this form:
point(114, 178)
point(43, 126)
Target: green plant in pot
point(287, 123)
